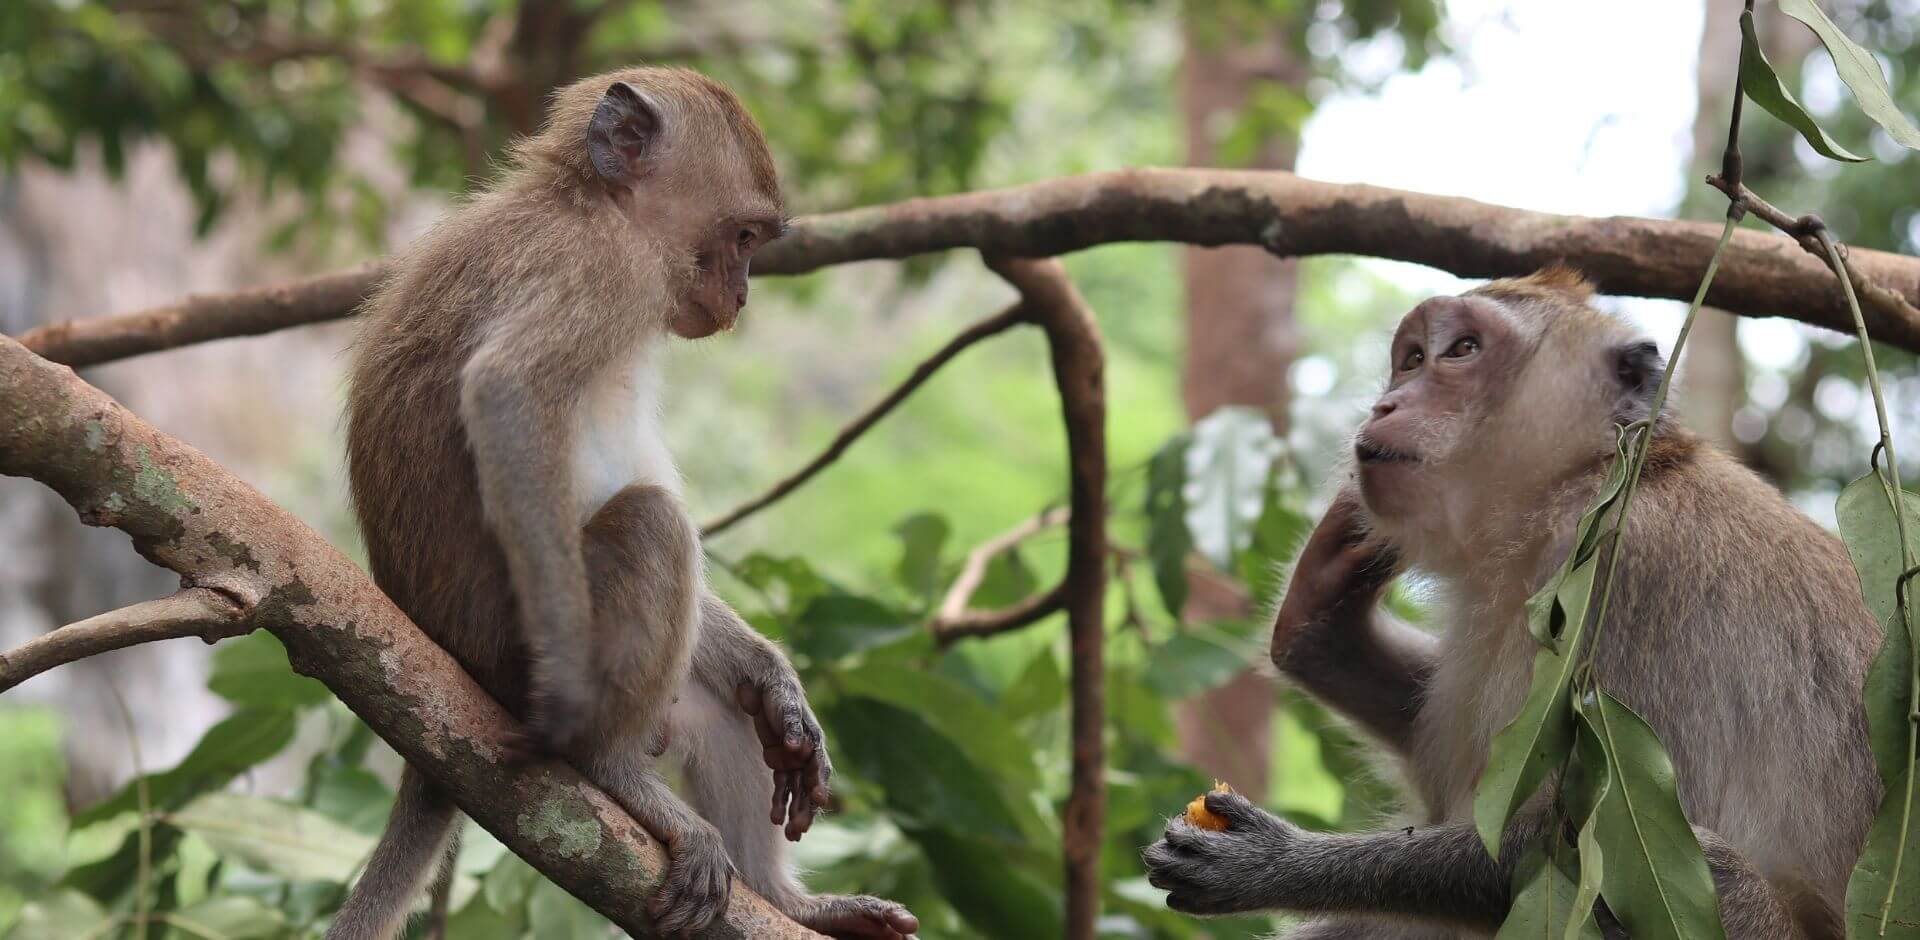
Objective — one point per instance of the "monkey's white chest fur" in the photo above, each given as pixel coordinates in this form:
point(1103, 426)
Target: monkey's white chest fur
point(618, 440)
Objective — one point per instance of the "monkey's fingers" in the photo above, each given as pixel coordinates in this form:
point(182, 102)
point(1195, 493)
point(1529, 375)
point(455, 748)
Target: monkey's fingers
point(859, 918)
point(785, 783)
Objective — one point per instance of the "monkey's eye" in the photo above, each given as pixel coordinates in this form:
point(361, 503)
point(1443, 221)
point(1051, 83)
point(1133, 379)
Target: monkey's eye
point(746, 238)
point(1463, 347)
point(1412, 359)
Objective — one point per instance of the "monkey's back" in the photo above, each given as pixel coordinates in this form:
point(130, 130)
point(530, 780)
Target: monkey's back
point(415, 490)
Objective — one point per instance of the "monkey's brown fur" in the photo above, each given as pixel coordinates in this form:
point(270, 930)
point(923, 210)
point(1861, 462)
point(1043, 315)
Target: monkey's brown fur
point(1736, 628)
point(519, 503)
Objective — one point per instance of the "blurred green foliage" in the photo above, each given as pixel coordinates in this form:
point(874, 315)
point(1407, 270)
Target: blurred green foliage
point(952, 765)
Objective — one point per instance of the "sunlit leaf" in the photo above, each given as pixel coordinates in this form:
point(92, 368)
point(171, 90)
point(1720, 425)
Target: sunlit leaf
point(1764, 88)
point(1860, 70)
point(60, 915)
point(1867, 525)
point(1007, 580)
point(231, 917)
point(272, 836)
point(1227, 466)
point(242, 740)
point(1872, 884)
point(922, 536)
point(253, 670)
point(1656, 881)
point(1168, 540)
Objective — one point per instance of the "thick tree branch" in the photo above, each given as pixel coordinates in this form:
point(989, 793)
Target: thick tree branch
point(1761, 275)
point(186, 513)
point(860, 425)
point(195, 611)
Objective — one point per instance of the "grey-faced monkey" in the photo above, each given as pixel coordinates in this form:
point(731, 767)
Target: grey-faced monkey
point(1736, 628)
point(519, 502)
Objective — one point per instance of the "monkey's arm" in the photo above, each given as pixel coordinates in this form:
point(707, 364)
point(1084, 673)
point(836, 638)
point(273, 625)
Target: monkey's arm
point(1441, 874)
point(514, 411)
point(1331, 638)
point(739, 665)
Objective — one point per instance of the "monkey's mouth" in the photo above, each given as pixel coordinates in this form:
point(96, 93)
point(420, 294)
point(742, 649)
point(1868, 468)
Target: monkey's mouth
point(1370, 453)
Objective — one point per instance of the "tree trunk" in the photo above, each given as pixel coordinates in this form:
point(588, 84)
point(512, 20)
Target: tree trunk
point(1240, 342)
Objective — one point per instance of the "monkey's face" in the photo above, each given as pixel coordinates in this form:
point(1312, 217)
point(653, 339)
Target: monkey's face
point(718, 288)
point(1449, 356)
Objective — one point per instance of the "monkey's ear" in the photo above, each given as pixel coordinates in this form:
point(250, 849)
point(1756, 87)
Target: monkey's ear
point(1637, 365)
point(624, 127)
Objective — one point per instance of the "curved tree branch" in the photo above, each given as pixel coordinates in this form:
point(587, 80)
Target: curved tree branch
point(186, 513)
point(1762, 274)
point(195, 611)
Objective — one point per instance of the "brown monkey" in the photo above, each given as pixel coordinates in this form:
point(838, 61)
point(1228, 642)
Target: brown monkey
point(1736, 628)
point(519, 502)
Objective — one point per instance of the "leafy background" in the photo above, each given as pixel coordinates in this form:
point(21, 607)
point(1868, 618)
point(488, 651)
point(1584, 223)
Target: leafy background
point(952, 764)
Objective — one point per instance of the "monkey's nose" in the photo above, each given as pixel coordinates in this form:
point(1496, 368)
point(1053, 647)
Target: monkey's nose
point(1383, 407)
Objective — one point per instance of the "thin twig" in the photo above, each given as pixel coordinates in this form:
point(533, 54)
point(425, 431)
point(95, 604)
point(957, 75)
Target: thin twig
point(974, 570)
point(980, 623)
point(990, 326)
point(203, 612)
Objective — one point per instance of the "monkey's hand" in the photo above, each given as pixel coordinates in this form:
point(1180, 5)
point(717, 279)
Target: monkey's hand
point(855, 917)
point(1338, 576)
point(793, 747)
point(1231, 871)
point(698, 885)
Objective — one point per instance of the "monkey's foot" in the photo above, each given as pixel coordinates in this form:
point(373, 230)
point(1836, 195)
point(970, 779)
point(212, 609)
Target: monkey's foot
point(856, 917)
point(698, 885)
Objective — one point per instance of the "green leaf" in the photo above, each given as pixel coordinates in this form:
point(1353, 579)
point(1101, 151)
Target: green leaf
point(1656, 881)
point(275, 837)
point(997, 899)
point(1873, 878)
point(922, 536)
point(1041, 688)
point(1278, 533)
point(1007, 580)
point(352, 796)
point(837, 624)
point(253, 670)
point(62, 915)
point(1526, 750)
point(1523, 753)
point(552, 912)
point(244, 739)
point(230, 917)
point(1868, 527)
point(1543, 902)
point(1190, 663)
point(1227, 466)
point(968, 720)
point(1860, 70)
point(1762, 85)
point(1866, 522)
point(1588, 788)
point(1168, 541)
point(927, 778)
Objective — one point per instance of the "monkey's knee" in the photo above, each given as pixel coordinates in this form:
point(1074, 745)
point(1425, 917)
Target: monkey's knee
point(642, 552)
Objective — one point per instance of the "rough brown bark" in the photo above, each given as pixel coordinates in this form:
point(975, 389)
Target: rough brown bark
point(186, 513)
point(1763, 274)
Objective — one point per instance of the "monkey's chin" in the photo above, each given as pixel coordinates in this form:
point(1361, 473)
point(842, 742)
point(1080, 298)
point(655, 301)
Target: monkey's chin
point(1390, 488)
point(700, 324)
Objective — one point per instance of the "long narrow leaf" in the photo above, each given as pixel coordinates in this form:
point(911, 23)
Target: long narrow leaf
point(1656, 881)
point(1543, 902)
point(1866, 521)
point(1860, 70)
point(1874, 907)
point(1762, 85)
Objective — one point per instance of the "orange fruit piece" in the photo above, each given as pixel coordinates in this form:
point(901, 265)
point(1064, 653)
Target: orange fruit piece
point(1199, 815)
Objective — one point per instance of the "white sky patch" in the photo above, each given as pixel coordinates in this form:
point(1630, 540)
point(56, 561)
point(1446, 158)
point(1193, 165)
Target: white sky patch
point(1559, 107)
